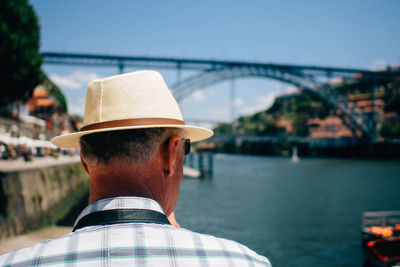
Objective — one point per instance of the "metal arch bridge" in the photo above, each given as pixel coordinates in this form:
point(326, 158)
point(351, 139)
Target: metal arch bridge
point(314, 79)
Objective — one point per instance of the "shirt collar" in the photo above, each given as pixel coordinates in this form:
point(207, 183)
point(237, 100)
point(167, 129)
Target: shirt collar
point(121, 203)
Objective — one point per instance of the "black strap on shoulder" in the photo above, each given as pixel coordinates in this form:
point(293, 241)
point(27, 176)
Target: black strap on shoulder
point(106, 217)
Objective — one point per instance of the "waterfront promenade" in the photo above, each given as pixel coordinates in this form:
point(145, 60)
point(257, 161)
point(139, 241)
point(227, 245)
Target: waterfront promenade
point(37, 193)
point(34, 237)
point(19, 164)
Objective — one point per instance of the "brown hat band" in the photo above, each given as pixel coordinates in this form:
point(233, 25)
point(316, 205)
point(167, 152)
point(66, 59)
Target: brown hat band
point(131, 122)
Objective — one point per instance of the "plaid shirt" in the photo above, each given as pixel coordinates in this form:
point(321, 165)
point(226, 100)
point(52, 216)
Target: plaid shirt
point(133, 244)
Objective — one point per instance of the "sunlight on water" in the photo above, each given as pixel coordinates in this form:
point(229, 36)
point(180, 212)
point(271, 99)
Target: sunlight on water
point(297, 214)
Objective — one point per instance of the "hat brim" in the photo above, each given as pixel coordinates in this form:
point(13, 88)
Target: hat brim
point(71, 140)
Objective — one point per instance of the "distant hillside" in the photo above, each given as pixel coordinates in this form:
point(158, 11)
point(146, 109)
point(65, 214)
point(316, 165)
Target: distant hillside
point(287, 116)
point(290, 114)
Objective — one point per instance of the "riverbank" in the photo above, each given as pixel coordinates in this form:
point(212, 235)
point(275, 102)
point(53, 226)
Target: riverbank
point(39, 193)
point(345, 148)
point(20, 165)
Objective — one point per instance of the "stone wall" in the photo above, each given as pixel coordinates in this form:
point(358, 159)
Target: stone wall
point(31, 199)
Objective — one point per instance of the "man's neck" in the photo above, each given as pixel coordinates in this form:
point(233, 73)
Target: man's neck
point(114, 180)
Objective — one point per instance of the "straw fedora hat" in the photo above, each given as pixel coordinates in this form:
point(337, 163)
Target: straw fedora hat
point(133, 100)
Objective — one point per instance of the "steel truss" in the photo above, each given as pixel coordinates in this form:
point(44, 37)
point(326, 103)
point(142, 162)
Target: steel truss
point(314, 79)
point(311, 80)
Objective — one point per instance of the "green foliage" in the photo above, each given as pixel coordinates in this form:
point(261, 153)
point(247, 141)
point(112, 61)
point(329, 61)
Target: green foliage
point(297, 109)
point(20, 59)
point(300, 127)
point(355, 87)
point(390, 131)
point(393, 104)
point(278, 106)
point(76, 117)
point(56, 92)
point(254, 148)
point(260, 123)
point(223, 129)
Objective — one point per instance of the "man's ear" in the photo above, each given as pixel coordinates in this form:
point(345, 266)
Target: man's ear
point(171, 153)
point(85, 166)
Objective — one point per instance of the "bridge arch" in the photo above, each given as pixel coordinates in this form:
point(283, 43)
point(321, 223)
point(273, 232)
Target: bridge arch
point(308, 83)
point(212, 76)
point(312, 78)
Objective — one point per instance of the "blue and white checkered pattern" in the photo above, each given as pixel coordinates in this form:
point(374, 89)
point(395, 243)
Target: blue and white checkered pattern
point(133, 244)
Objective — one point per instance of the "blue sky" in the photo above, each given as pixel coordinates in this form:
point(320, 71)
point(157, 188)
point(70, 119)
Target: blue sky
point(358, 33)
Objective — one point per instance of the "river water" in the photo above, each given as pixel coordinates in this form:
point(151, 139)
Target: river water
point(296, 214)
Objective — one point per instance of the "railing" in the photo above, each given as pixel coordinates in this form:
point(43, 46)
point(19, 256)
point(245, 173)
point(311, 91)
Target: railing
point(380, 218)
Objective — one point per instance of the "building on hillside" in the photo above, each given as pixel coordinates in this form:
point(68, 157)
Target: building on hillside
point(392, 118)
point(283, 123)
point(368, 103)
point(329, 127)
point(46, 107)
point(333, 127)
point(41, 104)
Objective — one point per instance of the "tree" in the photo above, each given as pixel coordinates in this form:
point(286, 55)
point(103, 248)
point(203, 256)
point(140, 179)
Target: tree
point(393, 104)
point(389, 130)
point(223, 129)
point(20, 59)
point(56, 92)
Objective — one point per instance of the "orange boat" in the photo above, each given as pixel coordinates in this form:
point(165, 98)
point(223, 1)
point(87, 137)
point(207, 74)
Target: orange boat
point(381, 238)
point(380, 225)
point(383, 252)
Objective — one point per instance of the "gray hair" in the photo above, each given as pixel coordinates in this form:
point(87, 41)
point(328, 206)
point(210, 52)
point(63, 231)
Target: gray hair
point(136, 145)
